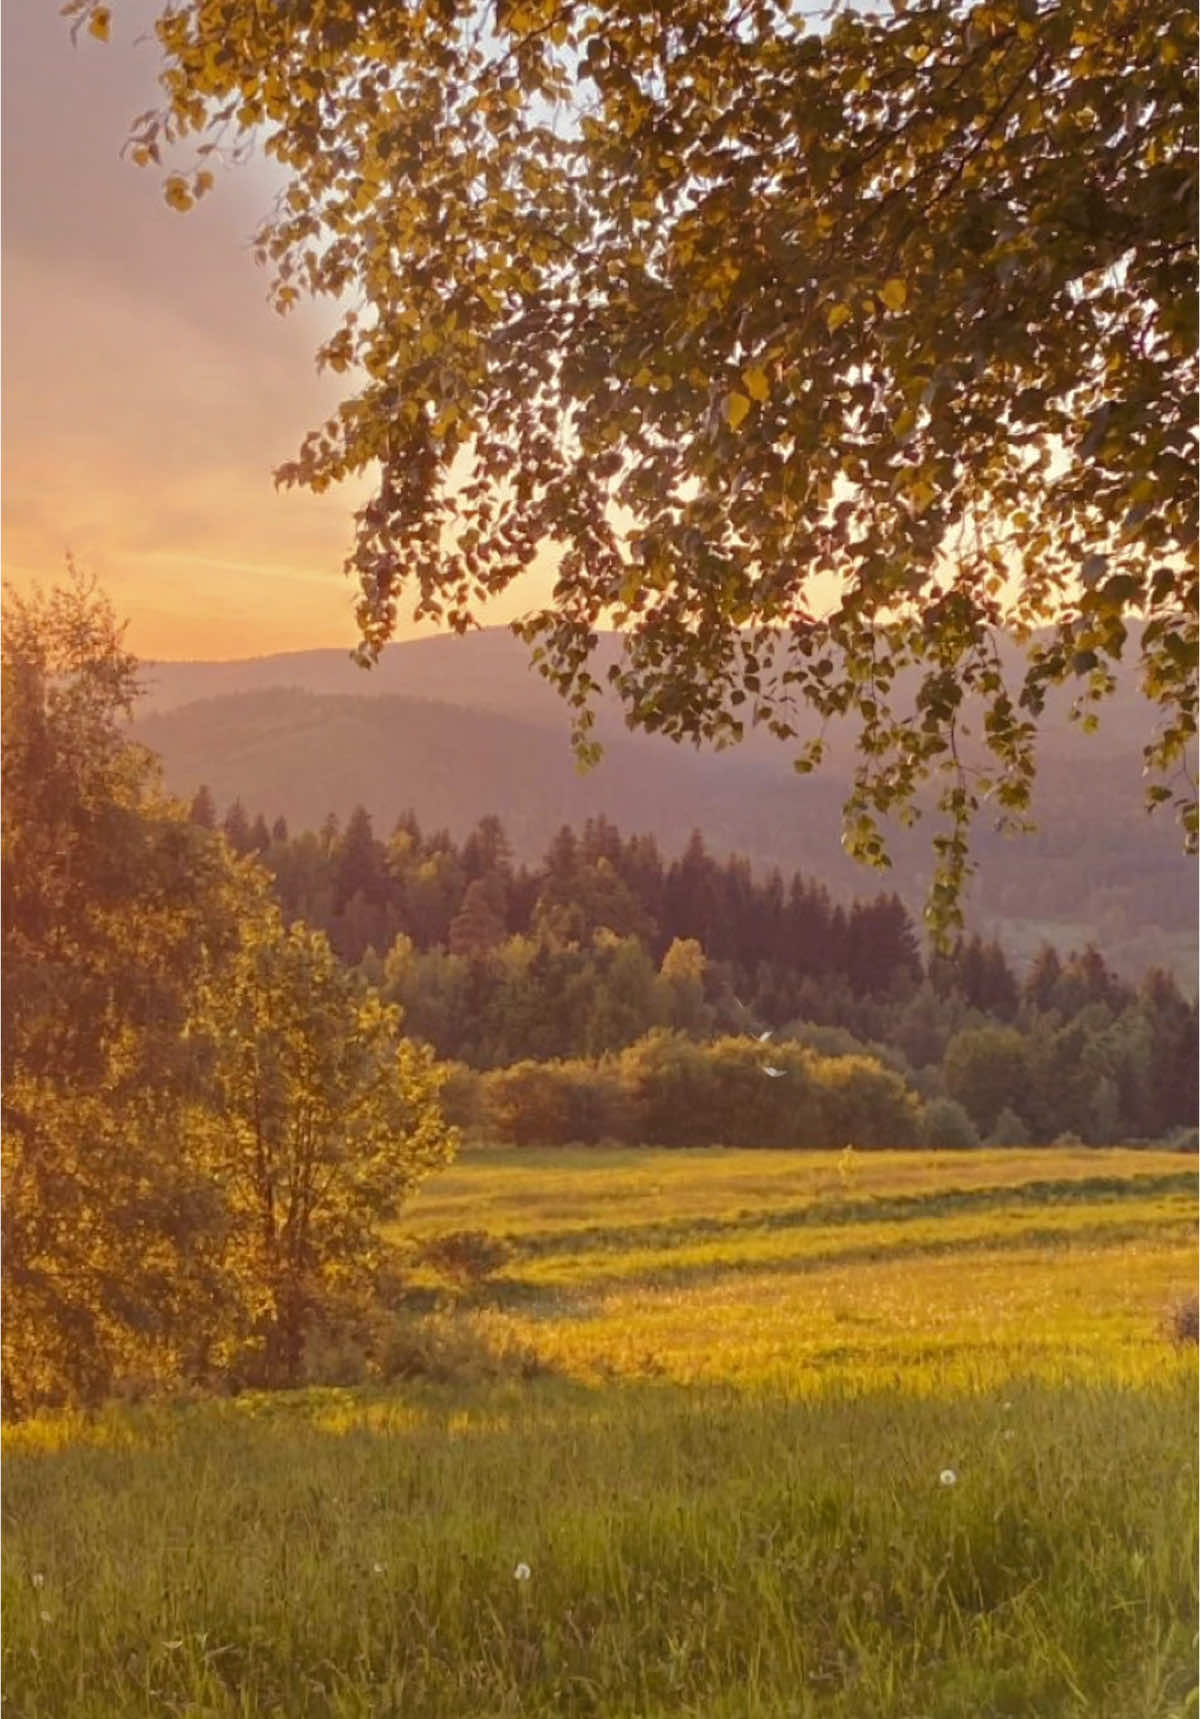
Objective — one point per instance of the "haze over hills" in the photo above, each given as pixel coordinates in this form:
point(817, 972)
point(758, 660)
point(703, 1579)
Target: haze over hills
point(458, 727)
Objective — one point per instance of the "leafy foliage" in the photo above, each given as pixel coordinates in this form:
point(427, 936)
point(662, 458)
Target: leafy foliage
point(323, 1120)
point(112, 902)
point(204, 1114)
point(813, 356)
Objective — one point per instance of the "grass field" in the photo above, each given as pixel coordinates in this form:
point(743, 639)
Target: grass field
point(844, 1434)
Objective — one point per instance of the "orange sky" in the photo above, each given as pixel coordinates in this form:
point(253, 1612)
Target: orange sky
point(148, 390)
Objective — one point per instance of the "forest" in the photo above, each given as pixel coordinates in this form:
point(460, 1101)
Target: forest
point(606, 941)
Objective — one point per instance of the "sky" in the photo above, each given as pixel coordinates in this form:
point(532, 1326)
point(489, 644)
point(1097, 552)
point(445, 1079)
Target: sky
point(148, 389)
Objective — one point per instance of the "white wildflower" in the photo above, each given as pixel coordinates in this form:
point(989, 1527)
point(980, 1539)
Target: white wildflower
point(38, 1580)
point(522, 1572)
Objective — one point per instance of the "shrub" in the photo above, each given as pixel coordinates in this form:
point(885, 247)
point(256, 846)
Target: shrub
point(452, 1348)
point(749, 1107)
point(598, 1106)
point(946, 1126)
point(461, 1096)
point(1009, 1130)
point(466, 1257)
point(550, 1103)
point(527, 1104)
point(671, 1088)
point(864, 1104)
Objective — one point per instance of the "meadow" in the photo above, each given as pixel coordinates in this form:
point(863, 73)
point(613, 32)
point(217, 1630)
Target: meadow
point(731, 1435)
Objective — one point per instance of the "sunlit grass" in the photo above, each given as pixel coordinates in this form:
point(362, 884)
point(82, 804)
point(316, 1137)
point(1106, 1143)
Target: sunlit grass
point(726, 1487)
point(511, 1192)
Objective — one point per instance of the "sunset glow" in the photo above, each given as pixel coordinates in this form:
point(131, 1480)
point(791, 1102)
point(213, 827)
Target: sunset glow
point(149, 390)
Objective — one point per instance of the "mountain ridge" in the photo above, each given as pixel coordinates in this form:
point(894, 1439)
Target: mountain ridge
point(495, 739)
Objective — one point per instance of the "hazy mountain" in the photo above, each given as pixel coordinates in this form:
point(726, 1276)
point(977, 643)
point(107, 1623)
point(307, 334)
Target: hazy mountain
point(454, 728)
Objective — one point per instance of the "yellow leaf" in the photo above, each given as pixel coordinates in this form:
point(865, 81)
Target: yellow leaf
point(756, 384)
point(736, 407)
point(99, 22)
point(903, 426)
point(837, 316)
point(894, 293)
point(921, 494)
point(177, 194)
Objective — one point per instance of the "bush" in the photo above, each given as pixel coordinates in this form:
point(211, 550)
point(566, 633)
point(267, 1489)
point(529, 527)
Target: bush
point(1009, 1130)
point(671, 1088)
point(453, 1348)
point(598, 1106)
point(864, 1104)
point(466, 1257)
point(945, 1126)
point(749, 1107)
point(551, 1103)
point(461, 1096)
point(527, 1104)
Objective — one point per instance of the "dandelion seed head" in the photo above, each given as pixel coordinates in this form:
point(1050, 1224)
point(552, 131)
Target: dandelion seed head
point(45, 1617)
point(39, 1581)
point(377, 1569)
point(947, 1477)
point(522, 1572)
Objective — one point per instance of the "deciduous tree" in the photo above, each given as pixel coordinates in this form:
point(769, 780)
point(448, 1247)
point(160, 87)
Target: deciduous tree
point(819, 355)
point(325, 1118)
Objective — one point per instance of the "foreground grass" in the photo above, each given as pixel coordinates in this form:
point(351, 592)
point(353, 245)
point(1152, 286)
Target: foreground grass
point(727, 1486)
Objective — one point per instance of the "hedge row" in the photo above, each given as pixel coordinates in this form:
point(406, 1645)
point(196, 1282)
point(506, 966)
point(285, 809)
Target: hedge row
point(668, 1090)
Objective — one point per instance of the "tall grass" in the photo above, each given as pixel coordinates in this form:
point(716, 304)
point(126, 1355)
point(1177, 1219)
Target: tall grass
point(779, 1538)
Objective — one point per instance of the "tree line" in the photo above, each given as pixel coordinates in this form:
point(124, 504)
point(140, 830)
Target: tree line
point(606, 941)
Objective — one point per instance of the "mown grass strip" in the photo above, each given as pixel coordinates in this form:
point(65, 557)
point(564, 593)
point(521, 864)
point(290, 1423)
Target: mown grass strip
point(668, 1234)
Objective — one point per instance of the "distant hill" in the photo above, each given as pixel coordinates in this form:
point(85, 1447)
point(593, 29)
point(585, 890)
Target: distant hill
point(455, 728)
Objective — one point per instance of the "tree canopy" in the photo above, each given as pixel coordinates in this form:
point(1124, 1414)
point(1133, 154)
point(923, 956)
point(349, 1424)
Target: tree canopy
point(818, 351)
point(203, 1114)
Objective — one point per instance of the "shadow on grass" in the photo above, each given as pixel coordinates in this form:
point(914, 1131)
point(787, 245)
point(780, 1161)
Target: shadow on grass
point(578, 1300)
point(669, 1233)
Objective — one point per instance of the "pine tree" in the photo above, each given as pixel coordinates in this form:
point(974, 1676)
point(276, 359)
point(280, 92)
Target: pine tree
point(203, 809)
